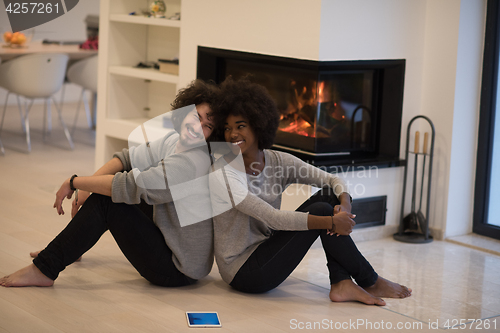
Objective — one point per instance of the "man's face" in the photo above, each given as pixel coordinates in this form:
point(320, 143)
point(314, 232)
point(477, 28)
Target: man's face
point(196, 126)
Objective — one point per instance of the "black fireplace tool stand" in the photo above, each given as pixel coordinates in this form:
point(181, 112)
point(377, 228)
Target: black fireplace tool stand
point(414, 228)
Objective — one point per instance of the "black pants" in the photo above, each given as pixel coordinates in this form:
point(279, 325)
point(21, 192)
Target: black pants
point(275, 259)
point(138, 237)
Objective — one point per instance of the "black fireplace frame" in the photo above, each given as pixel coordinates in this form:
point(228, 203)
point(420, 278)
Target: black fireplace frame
point(388, 78)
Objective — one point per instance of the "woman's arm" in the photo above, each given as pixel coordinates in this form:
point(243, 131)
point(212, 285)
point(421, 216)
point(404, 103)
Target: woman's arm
point(298, 171)
point(230, 191)
point(341, 223)
point(345, 204)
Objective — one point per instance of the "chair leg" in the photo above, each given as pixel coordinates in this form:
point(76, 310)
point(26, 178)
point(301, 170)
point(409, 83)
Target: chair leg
point(63, 90)
point(27, 124)
point(24, 120)
point(49, 115)
point(77, 111)
point(87, 111)
point(4, 110)
point(44, 120)
point(66, 131)
point(21, 108)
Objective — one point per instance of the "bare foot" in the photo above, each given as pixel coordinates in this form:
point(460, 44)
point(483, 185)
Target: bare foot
point(386, 288)
point(35, 254)
point(346, 290)
point(27, 276)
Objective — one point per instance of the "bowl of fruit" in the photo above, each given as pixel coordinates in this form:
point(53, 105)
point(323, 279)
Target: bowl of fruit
point(17, 39)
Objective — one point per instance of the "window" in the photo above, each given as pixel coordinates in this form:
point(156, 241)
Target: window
point(487, 193)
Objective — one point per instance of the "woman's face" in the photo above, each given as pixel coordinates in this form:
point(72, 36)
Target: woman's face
point(240, 135)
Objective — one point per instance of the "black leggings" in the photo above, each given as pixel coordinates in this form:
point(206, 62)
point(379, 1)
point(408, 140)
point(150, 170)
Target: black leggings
point(275, 259)
point(138, 237)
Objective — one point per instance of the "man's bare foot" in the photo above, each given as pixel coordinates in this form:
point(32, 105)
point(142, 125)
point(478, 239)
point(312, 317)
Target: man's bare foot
point(386, 288)
point(27, 276)
point(35, 254)
point(346, 290)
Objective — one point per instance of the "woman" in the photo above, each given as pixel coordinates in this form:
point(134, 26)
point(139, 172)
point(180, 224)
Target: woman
point(257, 246)
point(164, 250)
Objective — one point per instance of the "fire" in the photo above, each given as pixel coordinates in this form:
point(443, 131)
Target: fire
point(300, 127)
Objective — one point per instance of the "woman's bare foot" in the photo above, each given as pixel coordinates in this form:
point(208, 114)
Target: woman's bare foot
point(35, 254)
point(346, 290)
point(27, 276)
point(386, 288)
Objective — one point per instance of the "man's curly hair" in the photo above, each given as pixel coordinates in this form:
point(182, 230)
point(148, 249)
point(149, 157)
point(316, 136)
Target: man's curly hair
point(197, 92)
point(254, 103)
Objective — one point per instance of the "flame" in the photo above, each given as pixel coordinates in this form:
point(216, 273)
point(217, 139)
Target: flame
point(321, 88)
point(300, 127)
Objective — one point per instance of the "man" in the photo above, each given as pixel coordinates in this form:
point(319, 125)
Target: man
point(163, 250)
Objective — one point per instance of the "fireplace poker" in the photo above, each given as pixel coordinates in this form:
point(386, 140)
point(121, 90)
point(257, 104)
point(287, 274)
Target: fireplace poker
point(411, 221)
point(422, 221)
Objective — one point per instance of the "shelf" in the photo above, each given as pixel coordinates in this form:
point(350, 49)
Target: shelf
point(129, 130)
point(144, 73)
point(162, 22)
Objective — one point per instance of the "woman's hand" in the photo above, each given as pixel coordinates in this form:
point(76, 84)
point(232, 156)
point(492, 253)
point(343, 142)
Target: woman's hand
point(75, 206)
point(345, 204)
point(344, 223)
point(64, 192)
point(343, 207)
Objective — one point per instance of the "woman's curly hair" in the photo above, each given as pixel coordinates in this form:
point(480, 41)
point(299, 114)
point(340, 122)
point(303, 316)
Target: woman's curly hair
point(197, 92)
point(254, 103)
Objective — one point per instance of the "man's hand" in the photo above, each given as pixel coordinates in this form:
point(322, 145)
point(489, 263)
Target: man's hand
point(64, 192)
point(75, 206)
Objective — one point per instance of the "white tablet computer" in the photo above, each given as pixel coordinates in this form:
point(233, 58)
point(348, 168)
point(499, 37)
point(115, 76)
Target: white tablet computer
point(203, 319)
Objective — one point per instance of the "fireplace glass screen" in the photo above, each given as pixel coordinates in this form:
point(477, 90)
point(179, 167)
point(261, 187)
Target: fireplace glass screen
point(330, 111)
point(320, 114)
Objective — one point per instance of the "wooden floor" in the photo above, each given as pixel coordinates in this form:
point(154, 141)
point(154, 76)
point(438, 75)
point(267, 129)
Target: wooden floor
point(103, 292)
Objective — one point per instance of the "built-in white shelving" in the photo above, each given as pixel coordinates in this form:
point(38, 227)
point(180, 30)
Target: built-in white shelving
point(129, 96)
point(144, 20)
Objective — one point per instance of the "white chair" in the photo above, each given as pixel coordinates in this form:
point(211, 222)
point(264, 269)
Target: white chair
point(1, 145)
point(84, 73)
point(34, 76)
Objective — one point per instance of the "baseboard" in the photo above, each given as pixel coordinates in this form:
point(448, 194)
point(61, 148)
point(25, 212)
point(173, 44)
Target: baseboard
point(374, 233)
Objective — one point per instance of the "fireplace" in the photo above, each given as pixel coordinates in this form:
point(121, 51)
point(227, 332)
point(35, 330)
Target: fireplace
point(332, 112)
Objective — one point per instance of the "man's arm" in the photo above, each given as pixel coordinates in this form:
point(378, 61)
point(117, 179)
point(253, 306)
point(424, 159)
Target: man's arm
point(109, 168)
point(98, 184)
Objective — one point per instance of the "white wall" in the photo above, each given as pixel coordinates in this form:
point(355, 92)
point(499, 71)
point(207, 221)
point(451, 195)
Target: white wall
point(70, 26)
point(450, 97)
point(441, 41)
point(382, 29)
point(287, 28)
point(465, 117)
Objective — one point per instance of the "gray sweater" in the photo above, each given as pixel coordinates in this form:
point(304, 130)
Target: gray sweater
point(145, 178)
point(247, 208)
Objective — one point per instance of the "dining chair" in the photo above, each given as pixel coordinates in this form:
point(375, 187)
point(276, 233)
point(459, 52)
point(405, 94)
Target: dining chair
point(34, 76)
point(84, 74)
point(2, 151)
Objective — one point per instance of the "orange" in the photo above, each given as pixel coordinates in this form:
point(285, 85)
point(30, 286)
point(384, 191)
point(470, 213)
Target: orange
point(21, 39)
point(7, 36)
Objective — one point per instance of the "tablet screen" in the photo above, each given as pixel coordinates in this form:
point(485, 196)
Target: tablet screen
point(203, 319)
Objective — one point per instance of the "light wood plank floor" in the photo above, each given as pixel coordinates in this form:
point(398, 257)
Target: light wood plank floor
point(103, 292)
